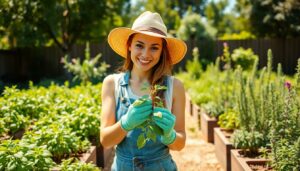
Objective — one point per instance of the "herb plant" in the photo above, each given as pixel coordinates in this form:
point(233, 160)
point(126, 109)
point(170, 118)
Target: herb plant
point(18, 155)
point(249, 142)
point(285, 128)
point(73, 164)
point(149, 129)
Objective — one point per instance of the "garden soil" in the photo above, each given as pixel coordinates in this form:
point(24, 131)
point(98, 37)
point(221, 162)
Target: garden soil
point(197, 154)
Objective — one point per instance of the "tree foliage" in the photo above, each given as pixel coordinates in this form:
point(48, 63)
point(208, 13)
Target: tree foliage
point(64, 22)
point(275, 18)
point(182, 6)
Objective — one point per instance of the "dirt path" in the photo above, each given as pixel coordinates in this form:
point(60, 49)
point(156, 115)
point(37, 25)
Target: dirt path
point(197, 155)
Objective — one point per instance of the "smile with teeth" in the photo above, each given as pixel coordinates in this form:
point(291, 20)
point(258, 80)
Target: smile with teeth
point(144, 61)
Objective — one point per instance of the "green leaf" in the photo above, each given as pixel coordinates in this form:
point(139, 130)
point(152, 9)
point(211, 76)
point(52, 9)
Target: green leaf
point(151, 134)
point(157, 129)
point(141, 141)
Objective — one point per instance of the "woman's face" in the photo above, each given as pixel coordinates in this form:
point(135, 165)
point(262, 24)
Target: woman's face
point(145, 51)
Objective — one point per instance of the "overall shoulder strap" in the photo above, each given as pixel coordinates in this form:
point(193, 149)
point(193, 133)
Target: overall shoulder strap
point(169, 92)
point(117, 78)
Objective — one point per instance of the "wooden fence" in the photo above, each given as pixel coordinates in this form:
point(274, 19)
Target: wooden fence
point(23, 64)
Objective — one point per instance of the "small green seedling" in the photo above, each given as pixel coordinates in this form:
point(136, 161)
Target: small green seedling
point(149, 129)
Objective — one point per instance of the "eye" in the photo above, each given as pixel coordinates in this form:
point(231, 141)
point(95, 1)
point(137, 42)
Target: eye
point(154, 48)
point(139, 46)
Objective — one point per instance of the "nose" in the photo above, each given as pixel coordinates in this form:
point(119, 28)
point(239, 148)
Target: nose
point(146, 53)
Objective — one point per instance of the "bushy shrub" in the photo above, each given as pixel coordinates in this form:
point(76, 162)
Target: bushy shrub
point(244, 58)
point(229, 120)
point(238, 36)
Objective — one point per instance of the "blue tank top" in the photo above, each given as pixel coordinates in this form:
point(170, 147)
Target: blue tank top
point(124, 97)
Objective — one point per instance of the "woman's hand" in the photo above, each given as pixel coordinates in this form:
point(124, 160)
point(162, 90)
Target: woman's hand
point(137, 114)
point(166, 121)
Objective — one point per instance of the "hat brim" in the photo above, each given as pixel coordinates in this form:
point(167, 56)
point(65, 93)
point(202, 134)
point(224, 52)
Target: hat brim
point(118, 37)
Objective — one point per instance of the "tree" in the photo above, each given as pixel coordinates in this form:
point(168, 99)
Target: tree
point(195, 30)
point(197, 6)
point(163, 7)
point(215, 15)
point(227, 23)
point(275, 18)
point(64, 22)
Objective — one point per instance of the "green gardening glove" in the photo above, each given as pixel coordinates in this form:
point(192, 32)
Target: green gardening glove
point(166, 121)
point(137, 113)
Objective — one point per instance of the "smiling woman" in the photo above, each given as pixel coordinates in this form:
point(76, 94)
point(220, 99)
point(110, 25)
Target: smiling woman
point(149, 56)
point(145, 51)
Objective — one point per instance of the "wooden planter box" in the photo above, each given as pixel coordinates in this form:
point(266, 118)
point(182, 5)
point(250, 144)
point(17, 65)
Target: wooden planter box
point(188, 104)
point(239, 163)
point(88, 157)
point(207, 127)
point(223, 147)
point(196, 115)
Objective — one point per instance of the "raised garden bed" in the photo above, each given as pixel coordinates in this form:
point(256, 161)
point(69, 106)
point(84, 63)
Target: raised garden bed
point(207, 127)
point(188, 104)
point(240, 163)
point(223, 147)
point(196, 115)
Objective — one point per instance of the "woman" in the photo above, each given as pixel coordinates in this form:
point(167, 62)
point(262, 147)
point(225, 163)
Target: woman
point(149, 56)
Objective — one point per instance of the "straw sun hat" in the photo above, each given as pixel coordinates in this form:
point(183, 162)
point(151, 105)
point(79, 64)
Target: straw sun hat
point(150, 24)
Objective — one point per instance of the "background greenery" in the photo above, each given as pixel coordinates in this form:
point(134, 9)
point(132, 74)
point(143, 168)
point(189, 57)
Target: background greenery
point(66, 22)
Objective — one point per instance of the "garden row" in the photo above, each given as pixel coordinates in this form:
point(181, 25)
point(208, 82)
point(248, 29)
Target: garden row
point(54, 128)
point(252, 116)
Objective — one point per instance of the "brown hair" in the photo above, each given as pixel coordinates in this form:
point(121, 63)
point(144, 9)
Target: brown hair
point(159, 71)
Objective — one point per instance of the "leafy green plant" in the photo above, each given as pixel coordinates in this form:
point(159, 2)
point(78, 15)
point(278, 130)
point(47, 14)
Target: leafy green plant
point(285, 128)
point(149, 129)
point(3, 129)
point(213, 109)
point(244, 58)
point(59, 140)
point(73, 164)
point(229, 120)
point(238, 36)
point(19, 155)
point(83, 121)
point(87, 70)
point(249, 142)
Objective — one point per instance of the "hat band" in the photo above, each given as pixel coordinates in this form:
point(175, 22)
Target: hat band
point(150, 29)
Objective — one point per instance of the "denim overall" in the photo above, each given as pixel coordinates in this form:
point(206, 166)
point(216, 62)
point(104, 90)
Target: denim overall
point(154, 156)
